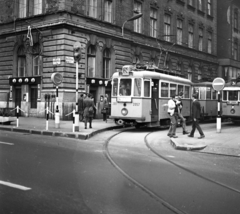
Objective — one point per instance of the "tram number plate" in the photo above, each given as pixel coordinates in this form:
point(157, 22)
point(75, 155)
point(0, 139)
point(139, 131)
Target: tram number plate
point(124, 99)
point(232, 103)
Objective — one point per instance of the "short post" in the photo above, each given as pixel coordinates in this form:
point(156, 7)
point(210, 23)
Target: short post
point(57, 115)
point(17, 116)
point(219, 114)
point(218, 85)
point(47, 118)
point(73, 128)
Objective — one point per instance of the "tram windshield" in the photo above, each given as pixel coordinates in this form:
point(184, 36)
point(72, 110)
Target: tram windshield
point(233, 95)
point(125, 87)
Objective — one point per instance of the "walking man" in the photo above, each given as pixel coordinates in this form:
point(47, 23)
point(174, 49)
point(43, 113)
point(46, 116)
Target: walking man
point(180, 106)
point(196, 110)
point(173, 114)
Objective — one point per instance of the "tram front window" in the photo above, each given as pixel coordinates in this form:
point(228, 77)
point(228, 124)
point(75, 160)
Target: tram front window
point(233, 95)
point(114, 87)
point(125, 87)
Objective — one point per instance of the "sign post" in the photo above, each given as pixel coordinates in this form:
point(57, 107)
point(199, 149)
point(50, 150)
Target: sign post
point(77, 57)
point(218, 85)
point(57, 80)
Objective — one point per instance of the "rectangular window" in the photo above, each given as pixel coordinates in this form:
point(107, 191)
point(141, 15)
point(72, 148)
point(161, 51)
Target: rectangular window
point(202, 94)
point(187, 92)
point(92, 8)
point(224, 95)
point(200, 40)
point(167, 27)
point(208, 93)
point(147, 88)
point(21, 66)
point(108, 11)
point(209, 47)
point(114, 87)
point(138, 22)
point(233, 95)
point(164, 89)
point(173, 89)
point(236, 20)
point(125, 88)
point(180, 89)
point(179, 31)
point(91, 67)
point(190, 36)
point(37, 7)
point(235, 51)
point(22, 8)
point(153, 22)
point(200, 5)
point(35, 65)
point(209, 7)
point(137, 87)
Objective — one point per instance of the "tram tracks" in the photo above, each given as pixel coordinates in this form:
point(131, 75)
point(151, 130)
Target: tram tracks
point(147, 190)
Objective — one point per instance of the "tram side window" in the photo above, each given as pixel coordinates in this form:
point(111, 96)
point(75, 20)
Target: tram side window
point(224, 95)
point(173, 89)
point(214, 95)
point(146, 88)
point(114, 87)
point(208, 94)
point(202, 94)
point(164, 89)
point(187, 92)
point(125, 87)
point(233, 95)
point(180, 89)
point(137, 87)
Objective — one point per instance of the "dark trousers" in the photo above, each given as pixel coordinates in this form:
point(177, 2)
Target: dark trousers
point(173, 125)
point(88, 119)
point(195, 125)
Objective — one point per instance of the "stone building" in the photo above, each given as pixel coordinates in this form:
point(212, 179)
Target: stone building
point(37, 38)
point(228, 36)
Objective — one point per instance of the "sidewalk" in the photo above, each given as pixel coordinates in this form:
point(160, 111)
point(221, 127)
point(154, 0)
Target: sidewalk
point(224, 143)
point(36, 125)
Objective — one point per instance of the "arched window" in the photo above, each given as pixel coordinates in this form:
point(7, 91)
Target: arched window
point(106, 63)
point(21, 62)
point(91, 61)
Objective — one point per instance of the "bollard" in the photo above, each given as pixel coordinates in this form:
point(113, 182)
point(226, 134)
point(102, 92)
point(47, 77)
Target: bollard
point(17, 116)
point(73, 121)
point(219, 114)
point(57, 115)
point(47, 119)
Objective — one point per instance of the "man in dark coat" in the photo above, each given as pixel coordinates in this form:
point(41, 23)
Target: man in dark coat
point(196, 110)
point(87, 114)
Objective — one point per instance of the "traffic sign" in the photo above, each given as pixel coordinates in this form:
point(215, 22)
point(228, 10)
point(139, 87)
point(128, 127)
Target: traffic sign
point(69, 59)
point(56, 78)
point(218, 84)
point(56, 61)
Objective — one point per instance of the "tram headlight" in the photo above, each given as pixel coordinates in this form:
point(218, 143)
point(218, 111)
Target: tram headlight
point(232, 111)
point(124, 111)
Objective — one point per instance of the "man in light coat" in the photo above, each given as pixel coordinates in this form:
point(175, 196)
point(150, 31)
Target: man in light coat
point(173, 114)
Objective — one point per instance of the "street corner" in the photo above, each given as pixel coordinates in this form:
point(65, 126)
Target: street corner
point(183, 143)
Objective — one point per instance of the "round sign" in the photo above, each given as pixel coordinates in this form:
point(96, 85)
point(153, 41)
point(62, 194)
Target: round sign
point(56, 78)
point(218, 84)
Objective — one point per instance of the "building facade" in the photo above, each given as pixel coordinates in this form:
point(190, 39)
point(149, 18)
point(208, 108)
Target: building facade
point(228, 36)
point(37, 38)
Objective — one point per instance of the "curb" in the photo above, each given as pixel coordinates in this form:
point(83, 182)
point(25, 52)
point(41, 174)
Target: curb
point(186, 146)
point(59, 134)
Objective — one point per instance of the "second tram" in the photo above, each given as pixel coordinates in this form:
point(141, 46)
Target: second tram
point(140, 96)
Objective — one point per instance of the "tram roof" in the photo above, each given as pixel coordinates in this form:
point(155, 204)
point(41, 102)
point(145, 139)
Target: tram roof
point(230, 87)
point(153, 74)
point(203, 84)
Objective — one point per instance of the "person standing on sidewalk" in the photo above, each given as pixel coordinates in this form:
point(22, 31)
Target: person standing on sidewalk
point(196, 111)
point(88, 110)
point(173, 114)
point(180, 106)
point(105, 108)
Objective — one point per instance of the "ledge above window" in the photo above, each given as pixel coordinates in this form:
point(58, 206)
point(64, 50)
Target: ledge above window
point(190, 7)
point(200, 12)
point(210, 17)
point(181, 2)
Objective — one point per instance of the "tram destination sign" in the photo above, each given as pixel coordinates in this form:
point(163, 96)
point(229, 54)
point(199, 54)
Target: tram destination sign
point(218, 84)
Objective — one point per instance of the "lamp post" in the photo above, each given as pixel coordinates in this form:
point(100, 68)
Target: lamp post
point(131, 19)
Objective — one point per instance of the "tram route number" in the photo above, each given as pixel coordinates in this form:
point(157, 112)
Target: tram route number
point(136, 104)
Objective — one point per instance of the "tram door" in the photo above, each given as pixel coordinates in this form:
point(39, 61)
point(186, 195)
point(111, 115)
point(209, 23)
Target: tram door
point(155, 100)
point(18, 98)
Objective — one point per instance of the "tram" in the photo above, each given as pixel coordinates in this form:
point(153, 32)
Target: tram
point(207, 97)
point(231, 101)
point(140, 96)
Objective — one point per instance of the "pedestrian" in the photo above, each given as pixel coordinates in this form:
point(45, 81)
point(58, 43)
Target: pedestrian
point(180, 116)
point(196, 111)
point(105, 108)
point(88, 110)
point(80, 107)
point(173, 114)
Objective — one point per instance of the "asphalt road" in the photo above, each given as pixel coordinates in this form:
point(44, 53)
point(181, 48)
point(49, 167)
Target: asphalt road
point(61, 175)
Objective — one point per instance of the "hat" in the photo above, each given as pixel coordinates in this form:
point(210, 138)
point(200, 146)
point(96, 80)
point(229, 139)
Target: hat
point(195, 96)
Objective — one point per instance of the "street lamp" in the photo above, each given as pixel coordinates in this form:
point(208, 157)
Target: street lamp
point(131, 19)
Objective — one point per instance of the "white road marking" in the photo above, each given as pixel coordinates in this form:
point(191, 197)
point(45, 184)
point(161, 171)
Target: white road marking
point(14, 185)
point(10, 144)
point(170, 156)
